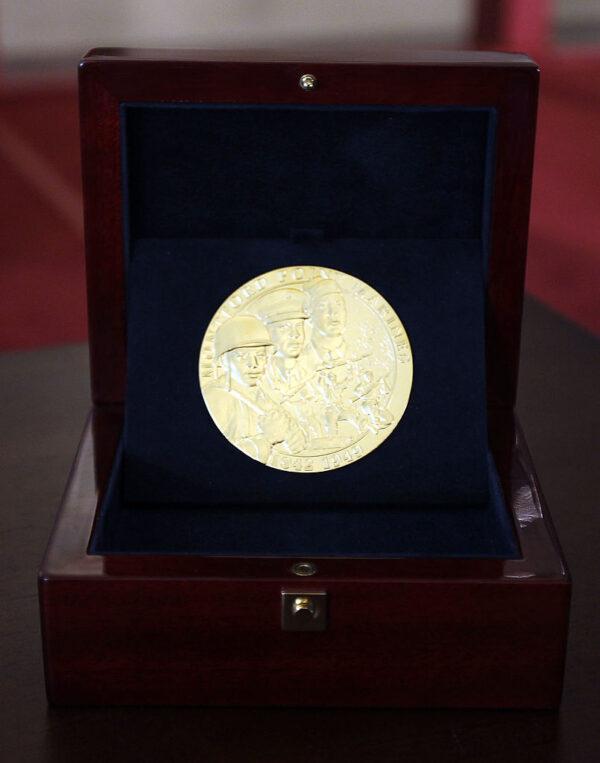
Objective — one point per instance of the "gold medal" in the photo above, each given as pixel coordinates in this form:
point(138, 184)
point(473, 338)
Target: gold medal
point(306, 369)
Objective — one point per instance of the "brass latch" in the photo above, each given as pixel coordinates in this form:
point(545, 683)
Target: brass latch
point(303, 610)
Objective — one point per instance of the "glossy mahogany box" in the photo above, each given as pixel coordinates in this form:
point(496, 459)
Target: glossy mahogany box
point(127, 623)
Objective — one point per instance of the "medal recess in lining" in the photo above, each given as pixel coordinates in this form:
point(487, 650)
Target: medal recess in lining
point(306, 369)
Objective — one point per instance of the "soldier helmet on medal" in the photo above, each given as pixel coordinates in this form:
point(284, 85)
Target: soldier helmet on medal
point(241, 345)
point(240, 331)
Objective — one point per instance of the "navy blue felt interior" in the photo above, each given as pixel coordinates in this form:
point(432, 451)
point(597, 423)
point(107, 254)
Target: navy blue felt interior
point(173, 450)
point(260, 171)
point(397, 197)
point(476, 531)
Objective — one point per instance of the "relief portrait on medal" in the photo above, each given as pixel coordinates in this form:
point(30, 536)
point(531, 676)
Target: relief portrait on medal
point(305, 369)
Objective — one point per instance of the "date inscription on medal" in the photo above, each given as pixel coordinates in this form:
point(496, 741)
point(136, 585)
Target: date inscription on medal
point(306, 369)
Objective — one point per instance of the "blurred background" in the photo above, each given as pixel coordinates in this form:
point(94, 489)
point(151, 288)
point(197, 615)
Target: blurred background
point(44, 368)
point(42, 294)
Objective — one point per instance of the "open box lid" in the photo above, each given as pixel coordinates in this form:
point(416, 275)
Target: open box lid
point(164, 135)
point(506, 83)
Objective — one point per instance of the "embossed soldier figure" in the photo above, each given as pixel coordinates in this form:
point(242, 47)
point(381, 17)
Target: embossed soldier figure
point(242, 411)
point(335, 364)
point(343, 367)
point(290, 380)
point(328, 317)
point(284, 313)
point(313, 370)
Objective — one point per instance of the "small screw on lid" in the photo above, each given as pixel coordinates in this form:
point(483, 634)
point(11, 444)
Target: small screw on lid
point(307, 82)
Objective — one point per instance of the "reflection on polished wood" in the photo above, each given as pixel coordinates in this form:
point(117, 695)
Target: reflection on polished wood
point(107, 618)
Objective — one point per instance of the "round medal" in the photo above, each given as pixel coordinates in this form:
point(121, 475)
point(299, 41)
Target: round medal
point(306, 369)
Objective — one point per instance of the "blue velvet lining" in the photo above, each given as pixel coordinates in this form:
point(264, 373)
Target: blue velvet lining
point(478, 531)
point(348, 171)
point(175, 453)
point(215, 195)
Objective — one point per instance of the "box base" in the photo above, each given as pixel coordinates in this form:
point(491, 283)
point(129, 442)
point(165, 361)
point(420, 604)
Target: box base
point(183, 629)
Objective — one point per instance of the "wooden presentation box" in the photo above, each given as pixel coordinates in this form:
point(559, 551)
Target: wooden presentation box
point(132, 610)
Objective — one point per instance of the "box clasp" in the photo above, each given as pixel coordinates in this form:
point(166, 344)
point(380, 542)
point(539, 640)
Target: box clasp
point(303, 610)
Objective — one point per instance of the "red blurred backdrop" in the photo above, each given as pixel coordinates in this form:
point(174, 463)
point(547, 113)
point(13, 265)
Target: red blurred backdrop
point(42, 289)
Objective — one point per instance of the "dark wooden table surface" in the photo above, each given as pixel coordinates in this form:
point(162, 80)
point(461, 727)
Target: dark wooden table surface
point(44, 402)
